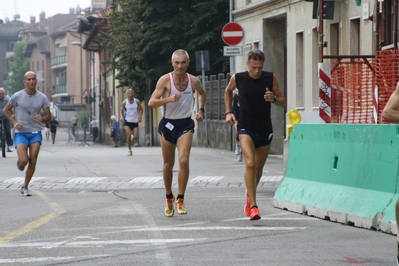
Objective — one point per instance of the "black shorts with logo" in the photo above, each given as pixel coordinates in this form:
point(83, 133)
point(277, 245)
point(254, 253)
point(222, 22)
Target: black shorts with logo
point(172, 129)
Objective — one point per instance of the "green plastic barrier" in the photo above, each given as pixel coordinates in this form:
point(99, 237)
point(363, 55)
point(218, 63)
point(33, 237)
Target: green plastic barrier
point(346, 173)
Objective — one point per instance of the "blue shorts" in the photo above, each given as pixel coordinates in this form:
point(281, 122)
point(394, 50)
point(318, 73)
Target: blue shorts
point(172, 129)
point(27, 138)
point(259, 140)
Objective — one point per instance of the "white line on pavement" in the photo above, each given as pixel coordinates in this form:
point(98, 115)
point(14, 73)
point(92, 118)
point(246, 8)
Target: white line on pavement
point(99, 243)
point(210, 228)
point(149, 179)
point(44, 259)
point(86, 180)
point(207, 179)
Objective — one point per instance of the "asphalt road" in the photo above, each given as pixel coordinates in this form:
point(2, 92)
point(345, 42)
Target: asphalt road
point(94, 205)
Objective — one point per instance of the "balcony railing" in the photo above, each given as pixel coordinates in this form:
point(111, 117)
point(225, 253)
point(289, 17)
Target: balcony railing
point(58, 62)
point(59, 89)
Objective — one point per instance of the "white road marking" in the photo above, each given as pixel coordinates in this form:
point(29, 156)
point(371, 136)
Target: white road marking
point(215, 228)
point(44, 259)
point(96, 243)
point(207, 179)
point(274, 219)
point(86, 180)
point(271, 178)
point(149, 179)
point(18, 180)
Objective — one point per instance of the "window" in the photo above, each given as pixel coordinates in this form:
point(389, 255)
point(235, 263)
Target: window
point(334, 39)
point(256, 45)
point(355, 36)
point(10, 47)
point(388, 10)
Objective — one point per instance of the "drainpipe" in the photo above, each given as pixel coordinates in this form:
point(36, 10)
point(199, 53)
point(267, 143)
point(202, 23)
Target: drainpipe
point(102, 130)
point(376, 18)
point(321, 33)
point(395, 24)
point(383, 23)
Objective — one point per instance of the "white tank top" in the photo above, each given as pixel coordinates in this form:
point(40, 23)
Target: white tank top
point(183, 108)
point(131, 114)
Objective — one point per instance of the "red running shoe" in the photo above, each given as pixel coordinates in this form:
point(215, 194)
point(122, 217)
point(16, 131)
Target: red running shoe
point(247, 208)
point(255, 214)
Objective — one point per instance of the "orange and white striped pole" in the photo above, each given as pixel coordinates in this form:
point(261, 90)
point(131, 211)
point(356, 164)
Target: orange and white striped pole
point(325, 91)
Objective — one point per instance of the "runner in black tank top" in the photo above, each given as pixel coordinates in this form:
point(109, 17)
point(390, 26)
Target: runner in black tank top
point(257, 89)
point(254, 110)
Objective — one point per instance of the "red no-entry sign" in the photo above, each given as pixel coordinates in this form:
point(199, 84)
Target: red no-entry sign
point(232, 33)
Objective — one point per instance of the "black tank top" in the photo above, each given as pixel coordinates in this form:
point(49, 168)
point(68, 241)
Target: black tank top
point(254, 110)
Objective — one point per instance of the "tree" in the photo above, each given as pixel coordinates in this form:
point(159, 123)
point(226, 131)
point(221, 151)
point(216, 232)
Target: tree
point(144, 35)
point(18, 66)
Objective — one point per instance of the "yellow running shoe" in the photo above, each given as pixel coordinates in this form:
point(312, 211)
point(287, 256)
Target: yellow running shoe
point(130, 153)
point(169, 211)
point(181, 209)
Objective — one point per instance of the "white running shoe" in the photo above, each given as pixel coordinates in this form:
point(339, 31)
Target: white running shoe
point(238, 150)
point(239, 158)
point(25, 190)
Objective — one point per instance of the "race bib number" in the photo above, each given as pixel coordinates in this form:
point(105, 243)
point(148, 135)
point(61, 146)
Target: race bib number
point(169, 126)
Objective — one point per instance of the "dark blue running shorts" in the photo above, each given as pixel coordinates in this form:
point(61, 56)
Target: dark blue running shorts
point(172, 129)
point(259, 140)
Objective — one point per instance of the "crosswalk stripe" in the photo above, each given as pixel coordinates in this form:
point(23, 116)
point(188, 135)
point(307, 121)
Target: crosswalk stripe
point(142, 179)
point(272, 178)
point(149, 179)
point(86, 180)
point(17, 180)
point(207, 179)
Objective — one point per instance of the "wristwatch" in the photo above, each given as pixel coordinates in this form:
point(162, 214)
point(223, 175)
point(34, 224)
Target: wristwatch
point(275, 99)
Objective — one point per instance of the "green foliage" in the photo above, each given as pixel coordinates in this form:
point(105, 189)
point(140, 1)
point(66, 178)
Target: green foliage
point(84, 118)
point(19, 66)
point(144, 34)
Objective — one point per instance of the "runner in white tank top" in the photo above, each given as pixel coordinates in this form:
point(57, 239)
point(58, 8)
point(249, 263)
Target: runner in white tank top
point(131, 114)
point(184, 107)
point(174, 93)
